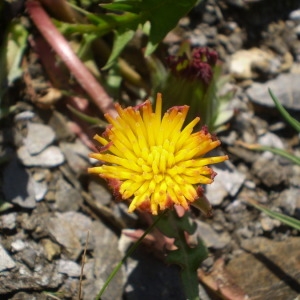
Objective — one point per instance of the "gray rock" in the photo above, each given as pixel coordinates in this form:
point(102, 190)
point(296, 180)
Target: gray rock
point(81, 225)
point(45, 278)
point(29, 256)
point(210, 237)
point(250, 64)
point(18, 185)
point(99, 192)
point(50, 157)
point(289, 200)
point(18, 245)
point(68, 267)
point(59, 123)
point(6, 262)
point(106, 256)
point(238, 3)
point(29, 296)
point(76, 155)
point(66, 197)
point(63, 233)
point(197, 38)
point(51, 249)
point(8, 221)
point(38, 138)
point(285, 87)
point(271, 140)
point(295, 15)
point(268, 223)
point(227, 182)
point(40, 189)
point(24, 115)
point(267, 171)
point(270, 261)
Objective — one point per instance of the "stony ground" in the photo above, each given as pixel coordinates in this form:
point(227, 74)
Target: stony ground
point(52, 210)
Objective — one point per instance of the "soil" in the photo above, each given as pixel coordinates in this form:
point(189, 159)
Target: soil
point(52, 212)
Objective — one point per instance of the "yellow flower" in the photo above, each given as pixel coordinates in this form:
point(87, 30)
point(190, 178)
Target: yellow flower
point(152, 159)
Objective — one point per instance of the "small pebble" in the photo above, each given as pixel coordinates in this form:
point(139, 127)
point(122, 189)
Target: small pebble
point(69, 268)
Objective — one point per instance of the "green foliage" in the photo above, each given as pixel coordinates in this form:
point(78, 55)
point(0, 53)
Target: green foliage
point(120, 41)
point(186, 256)
point(294, 223)
point(5, 206)
point(293, 122)
point(283, 153)
point(125, 17)
point(162, 14)
point(11, 53)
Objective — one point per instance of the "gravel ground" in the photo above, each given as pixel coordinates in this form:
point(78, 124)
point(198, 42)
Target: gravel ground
point(52, 209)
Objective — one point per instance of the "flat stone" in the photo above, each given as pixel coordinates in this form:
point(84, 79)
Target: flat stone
point(38, 138)
point(18, 245)
point(68, 267)
point(24, 115)
point(99, 192)
point(105, 256)
point(45, 278)
point(40, 189)
point(244, 63)
point(269, 270)
point(285, 87)
point(268, 224)
point(81, 224)
point(210, 237)
point(295, 15)
point(220, 188)
point(63, 233)
point(51, 249)
point(18, 185)
point(6, 262)
point(29, 256)
point(267, 171)
point(8, 221)
point(29, 296)
point(289, 200)
point(66, 197)
point(49, 158)
point(76, 155)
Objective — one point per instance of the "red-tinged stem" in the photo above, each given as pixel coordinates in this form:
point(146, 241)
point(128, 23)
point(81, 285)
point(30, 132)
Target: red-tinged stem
point(74, 127)
point(63, 49)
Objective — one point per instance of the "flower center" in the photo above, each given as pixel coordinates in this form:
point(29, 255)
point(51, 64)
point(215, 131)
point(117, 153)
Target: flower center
point(156, 162)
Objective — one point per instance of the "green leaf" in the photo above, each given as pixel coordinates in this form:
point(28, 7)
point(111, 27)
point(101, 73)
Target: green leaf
point(130, 6)
point(5, 206)
point(87, 118)
point(187, 257)
point(11, 53)
point(293, 122)
point(16, 44)
point(294, 223)
point(164, 16)
point(277, 151)
point(121, 40)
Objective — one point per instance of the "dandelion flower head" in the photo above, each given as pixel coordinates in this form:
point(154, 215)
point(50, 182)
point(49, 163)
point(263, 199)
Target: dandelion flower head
point(152, 160)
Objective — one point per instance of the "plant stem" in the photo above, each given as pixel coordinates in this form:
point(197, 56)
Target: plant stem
point(130, 251)
point(63, 49)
